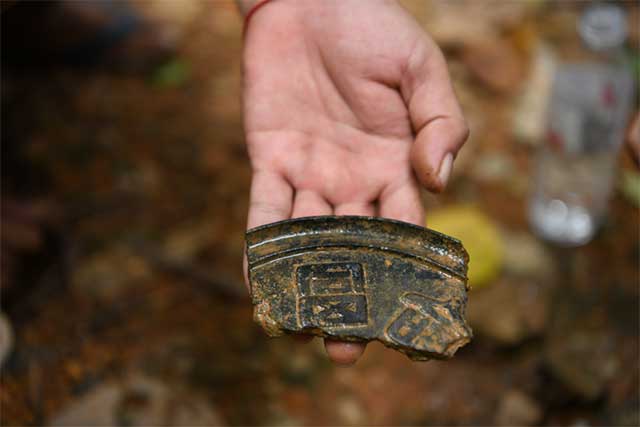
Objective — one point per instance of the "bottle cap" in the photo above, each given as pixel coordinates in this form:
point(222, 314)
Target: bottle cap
point(603, 26)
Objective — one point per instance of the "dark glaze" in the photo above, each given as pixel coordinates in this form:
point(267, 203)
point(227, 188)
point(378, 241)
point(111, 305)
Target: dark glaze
point(361, 279)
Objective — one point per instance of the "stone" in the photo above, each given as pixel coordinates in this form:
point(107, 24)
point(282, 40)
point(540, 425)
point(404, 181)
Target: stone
point(530, 114)
point(351, 411)
point(518, 409)
point(580, 329)
point(108, 274)
point(138, 401)
point(510, 311)
point(527, 256)
point(493, 167)
point(96, 408)
point(360, 279)
point(186, 242)
point(6, 338)
point(442, 19)
point(496, 64)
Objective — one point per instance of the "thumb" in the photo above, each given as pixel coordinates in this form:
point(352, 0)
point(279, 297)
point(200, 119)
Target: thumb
point(436, 116)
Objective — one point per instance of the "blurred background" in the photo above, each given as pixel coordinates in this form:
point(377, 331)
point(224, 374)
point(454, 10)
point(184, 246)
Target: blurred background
point(124, 195)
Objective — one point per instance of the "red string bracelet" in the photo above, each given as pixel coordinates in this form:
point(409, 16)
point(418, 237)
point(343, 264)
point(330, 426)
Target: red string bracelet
point(251, 12)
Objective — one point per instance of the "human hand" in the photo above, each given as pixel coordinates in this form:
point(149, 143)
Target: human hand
point(348, 108)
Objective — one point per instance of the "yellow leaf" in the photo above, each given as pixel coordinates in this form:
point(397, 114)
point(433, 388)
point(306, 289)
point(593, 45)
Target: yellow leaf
point(479, 235)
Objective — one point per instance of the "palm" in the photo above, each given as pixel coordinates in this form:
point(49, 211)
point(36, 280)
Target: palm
point(331, 154)
point(333, 106)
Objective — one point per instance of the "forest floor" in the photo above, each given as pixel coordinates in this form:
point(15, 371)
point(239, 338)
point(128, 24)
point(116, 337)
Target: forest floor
point(128, 306)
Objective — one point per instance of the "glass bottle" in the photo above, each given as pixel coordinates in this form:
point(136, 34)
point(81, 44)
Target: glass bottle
point(589, 106)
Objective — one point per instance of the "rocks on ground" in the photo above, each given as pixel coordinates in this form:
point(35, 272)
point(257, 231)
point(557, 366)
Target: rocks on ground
point(138, 401)
point(518, 409)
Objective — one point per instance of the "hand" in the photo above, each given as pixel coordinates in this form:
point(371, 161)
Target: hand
point(348, 108)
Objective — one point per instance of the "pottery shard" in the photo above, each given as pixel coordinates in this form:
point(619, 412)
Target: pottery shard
point(361, 279)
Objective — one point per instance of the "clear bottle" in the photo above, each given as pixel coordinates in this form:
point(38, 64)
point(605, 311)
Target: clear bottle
point(590, 104)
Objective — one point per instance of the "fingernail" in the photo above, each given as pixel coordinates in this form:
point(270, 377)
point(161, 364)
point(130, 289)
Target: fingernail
point(445, 169)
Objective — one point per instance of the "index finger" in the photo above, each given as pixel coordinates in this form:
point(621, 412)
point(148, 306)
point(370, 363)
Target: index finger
point(270, 200)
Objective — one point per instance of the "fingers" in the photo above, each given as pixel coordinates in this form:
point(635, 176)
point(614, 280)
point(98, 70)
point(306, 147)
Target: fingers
point(347, 353)
point(403, 202)
point(270, 201)
point(343, 353)
point(436, 116)
point(356, 208)
point(309, 203)
point(434, 150)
